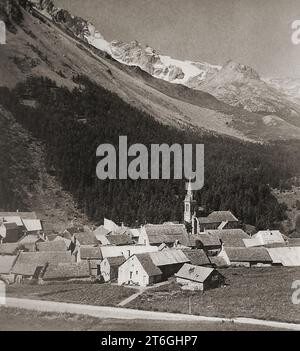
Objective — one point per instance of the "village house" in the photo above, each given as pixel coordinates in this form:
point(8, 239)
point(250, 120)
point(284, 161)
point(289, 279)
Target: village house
point(29, 265)
point(197, 257)
point(6, 265)
point(109, 267)
point(126, 250)
point(170, 234)
point(211, 244)
point(199, 278)
point(93, 256)
point(66, 272)
point(248, 257)
point(285, 256)
point(230, 237)
point(266, 237)
point(52, 246)
point(150, 268)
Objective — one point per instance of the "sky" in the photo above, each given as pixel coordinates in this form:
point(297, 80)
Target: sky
point(252, 32)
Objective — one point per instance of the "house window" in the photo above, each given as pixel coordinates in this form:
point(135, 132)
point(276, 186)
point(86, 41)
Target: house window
point(187, 207)
point(131, 273)
point(137, 272)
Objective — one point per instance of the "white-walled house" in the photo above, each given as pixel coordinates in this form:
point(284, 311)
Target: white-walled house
point(139, 270)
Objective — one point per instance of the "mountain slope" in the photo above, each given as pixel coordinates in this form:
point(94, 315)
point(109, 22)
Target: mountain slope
point(41, 48)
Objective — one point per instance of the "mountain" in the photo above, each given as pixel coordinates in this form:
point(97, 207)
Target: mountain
point(288, 86)
point(51, 42)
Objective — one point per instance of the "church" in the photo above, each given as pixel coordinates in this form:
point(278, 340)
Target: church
point(215, 220)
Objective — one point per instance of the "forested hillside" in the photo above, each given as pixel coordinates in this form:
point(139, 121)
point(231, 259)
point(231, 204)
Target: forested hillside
point(238, 175)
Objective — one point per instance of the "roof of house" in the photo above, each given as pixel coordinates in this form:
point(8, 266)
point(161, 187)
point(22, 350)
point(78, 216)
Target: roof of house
point(32, 225)
point(206, 240)
point(218, 261)
point(222, 216)
point(67, 271)
point(119, 239)
point(116, 261)
point(254, 254)
point(135, 233)
point(9, 248)
point(6, 264)
point(167, 233)
point(29, 239)
point(230, 237)
point(287, 256)
point(194, 273)
point(269, 236)
point(100, 234)
point(51, 237)
point(58, 245)
point(17, 216)
point(168, 257)
point(197, 257)
point(86, 238)
point(90, 252)
point(27, 262)
point(126, 250)
point(150, 268)
point(12, 219)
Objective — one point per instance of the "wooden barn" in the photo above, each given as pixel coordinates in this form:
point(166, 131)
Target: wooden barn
point(199, 278)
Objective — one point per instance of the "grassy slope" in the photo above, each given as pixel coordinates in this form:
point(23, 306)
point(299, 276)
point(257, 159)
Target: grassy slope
point(263, 293)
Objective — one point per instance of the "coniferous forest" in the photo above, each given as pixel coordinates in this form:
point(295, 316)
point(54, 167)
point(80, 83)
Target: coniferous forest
point(238, 175)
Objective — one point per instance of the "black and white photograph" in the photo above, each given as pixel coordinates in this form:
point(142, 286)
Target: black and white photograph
point(149, 168)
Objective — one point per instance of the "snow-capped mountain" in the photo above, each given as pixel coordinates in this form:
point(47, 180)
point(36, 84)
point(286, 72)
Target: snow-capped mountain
point(133, 53)
point(288, 86)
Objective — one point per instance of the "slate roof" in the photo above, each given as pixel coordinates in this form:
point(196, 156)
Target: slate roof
point(167, 233)
point(222, 216)
point(194, 273)
point(119, 239)
point(197, 257)
point(9, 248)
point(257, 254)
point(168, 257)
point(58, 245)
point(150, 268)
point(90, 252)
point(230, 237)
point(206, 240)
point(27, 262)
point(67, 271)
point(6, 264)
point(86, 238)
point(116, 261)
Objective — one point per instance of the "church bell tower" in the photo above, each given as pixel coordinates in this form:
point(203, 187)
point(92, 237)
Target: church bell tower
point(189, 204)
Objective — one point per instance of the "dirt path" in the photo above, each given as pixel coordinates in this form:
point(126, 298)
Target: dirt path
point(130, 314)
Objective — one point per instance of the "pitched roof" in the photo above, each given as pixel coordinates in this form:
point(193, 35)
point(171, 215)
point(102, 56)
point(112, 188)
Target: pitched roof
point(194, 273)
point(168, 257)
point(100, 234)
point(90, 252)
point(116, 261)
point(29, 239)
point(167, 233)
point(12, 219)
point(287, 256)
point(206, 240)
point(269, 236)
point(10, 226)
point(9, 248)
point(6, 264)
point(67, 271)
point(126, 250)
point(135, 232)
point(197, 257)
point(32, 225)
point(27, 262)
point(58, 245)
point(150, 268)
point(222, 216)
point(86, 238)
point(17, 216)
point(218, 261)
point(119, 239)
point(230, 237)
point(257, 254)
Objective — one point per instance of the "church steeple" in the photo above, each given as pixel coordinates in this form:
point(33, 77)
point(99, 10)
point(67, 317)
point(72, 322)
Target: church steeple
point(189, 203)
